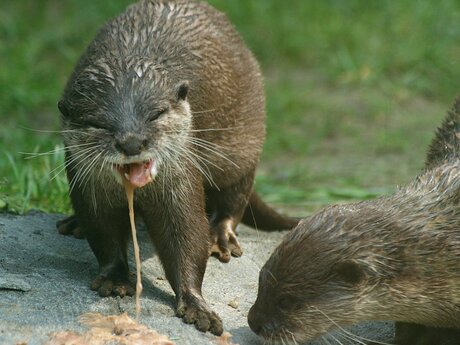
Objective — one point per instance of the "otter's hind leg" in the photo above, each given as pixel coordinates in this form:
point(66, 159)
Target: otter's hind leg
point(225, 208)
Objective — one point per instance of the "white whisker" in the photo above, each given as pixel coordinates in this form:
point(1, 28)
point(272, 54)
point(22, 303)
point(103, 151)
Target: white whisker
point(66, 163)
point(354, 336)
point(203, 111)
point(207, 161)
point(204, 144)
point(216, 129)
point(81, 167)
point(347, 337)
point(206, 174)
point(52, 131)
point(51, 152)
point(86, 96)
point(87, 174)
point(323, 338)
point(337, 340)
point(292, 336)
point(184, 153)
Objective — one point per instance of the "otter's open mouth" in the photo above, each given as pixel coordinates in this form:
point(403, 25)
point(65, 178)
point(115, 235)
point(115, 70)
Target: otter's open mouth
point(137, 174)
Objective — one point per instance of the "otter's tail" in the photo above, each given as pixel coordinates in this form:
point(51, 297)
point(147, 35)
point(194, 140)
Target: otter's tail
point(262, 217)
point(446, 144)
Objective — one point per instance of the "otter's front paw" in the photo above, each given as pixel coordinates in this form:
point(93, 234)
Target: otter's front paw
point(193, 310)
point(69, 226)
point(114, 286)
point(224, 241)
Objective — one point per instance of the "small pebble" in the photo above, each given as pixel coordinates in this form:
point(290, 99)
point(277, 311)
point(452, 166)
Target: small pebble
point(233, 303)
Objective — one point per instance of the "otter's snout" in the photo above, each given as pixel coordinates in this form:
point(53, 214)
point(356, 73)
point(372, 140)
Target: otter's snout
point(131, 145)
point(253, 321)
point(256, 320)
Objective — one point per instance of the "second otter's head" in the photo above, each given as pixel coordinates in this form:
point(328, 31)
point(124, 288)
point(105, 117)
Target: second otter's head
point(129, 118)
point(321, 277)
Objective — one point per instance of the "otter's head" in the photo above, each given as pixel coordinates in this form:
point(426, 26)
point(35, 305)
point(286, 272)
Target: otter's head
point(127, 118)
point(321, 277)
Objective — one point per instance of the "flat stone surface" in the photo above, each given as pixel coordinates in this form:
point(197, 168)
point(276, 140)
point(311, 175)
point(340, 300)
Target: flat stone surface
point(45, 277)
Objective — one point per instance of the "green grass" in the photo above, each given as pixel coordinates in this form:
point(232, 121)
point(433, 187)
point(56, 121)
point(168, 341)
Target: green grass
point(354, 91)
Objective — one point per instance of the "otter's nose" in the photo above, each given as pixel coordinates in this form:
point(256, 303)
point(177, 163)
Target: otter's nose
point(131, 145)
point(254, 322)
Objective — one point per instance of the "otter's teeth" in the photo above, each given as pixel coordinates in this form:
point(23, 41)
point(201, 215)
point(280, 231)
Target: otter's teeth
point(127, 176)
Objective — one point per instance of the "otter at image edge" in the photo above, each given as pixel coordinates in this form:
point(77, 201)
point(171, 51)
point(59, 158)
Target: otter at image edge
point(168, 97)
point(396, 257)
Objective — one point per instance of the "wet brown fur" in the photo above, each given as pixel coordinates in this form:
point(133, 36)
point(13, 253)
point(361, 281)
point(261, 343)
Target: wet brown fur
point(175, 77)
point(393, 258)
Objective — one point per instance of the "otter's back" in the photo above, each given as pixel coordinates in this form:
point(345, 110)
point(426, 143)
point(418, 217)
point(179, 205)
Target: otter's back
point(446, 144)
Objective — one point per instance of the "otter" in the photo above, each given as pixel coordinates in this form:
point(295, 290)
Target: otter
point(169, 98)
point(396, 258)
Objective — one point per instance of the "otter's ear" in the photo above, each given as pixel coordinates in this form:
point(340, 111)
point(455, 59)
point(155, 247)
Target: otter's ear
point(350, 272)
point(63, 108)
point(182, 91)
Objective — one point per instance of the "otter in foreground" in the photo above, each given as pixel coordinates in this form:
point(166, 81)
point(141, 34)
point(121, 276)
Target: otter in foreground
point(167, 98)
point(392, 258)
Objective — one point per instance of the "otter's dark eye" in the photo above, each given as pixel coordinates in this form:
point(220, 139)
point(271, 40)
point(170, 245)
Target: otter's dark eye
point(157, 114)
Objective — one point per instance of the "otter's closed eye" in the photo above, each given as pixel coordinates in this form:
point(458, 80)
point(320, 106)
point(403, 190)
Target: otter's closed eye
point(157, 114)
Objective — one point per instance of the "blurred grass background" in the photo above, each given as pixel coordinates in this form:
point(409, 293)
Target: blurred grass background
point(354, 89)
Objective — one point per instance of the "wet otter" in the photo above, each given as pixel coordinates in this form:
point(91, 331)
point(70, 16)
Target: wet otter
point(392, 258)
point(168, 92)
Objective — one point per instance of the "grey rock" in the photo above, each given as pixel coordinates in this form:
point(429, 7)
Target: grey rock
point(15, 282)
point(55, 271)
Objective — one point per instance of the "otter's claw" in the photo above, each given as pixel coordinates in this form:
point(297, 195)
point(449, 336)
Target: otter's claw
point(195, 311)
point(224, 241)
